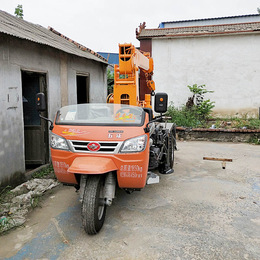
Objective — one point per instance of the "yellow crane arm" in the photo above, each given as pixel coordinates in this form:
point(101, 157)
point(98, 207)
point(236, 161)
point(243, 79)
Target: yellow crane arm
point(126, 76)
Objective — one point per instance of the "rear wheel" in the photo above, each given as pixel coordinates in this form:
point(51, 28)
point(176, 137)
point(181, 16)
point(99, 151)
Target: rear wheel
point(171, 150)
point(172, 146)
point(93, 209)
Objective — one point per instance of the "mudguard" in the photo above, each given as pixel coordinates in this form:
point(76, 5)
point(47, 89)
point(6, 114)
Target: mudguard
point(92, 165)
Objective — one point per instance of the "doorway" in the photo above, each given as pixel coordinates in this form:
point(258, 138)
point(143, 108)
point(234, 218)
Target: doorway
point(35, 130)
point(82, 89)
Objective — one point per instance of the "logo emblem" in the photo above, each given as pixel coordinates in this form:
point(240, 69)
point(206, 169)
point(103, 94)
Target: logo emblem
point(93, 146)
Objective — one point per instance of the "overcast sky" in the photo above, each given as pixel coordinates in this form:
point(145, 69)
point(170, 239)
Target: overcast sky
point(101, 24)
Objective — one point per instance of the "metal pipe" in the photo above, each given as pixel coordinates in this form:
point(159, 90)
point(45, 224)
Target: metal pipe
point(110, 188)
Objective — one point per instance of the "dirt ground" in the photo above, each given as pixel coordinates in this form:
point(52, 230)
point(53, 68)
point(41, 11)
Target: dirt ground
point(201, 211)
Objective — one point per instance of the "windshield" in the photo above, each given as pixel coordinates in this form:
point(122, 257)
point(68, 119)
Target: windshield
point(100, 114)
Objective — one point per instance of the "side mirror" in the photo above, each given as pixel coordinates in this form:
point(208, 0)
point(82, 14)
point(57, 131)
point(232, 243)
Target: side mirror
point(40, 102)
point(41, 106)
point(161, 102)
point(149, 111)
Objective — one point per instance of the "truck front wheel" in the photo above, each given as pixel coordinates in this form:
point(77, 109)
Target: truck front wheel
point(93, 209)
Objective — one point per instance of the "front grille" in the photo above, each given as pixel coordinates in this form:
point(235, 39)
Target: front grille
point(105, 147)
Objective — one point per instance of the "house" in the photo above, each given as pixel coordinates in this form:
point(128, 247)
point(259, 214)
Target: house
point(222, 53)
point(35, 59)
point(113, 58)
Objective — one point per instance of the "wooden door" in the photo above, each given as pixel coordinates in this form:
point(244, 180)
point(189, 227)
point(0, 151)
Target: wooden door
point(35, 132)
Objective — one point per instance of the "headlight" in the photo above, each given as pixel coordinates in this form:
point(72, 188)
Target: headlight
point(58, 142)
point(134, 145)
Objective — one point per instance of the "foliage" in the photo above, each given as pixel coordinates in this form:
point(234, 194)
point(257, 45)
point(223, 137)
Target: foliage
point(6, 222)
point(202, 107)
point(236, 122)
point(254, 140)
point(46, 172)
point(195, 89)
point(258, 9)
point(35, 201)
point(5, 194)
point(196, 111)
point(183, 116)
point(252, 123)
point(19, 11)
point(110, 75)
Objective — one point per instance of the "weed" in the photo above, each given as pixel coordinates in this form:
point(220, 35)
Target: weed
point(235, 122)
point(253, 123)
point(6, 223)
point(254, 140)
point(35, 201)
point(184, 116)
point(205, 108)
point(43, 173)
point(202, 107)
point(5, 194)
point(197, 113)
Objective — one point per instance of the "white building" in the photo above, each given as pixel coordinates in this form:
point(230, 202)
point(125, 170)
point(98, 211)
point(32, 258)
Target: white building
point(222, 53)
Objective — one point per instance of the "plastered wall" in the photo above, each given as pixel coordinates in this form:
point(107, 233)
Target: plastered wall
point(228, 65)
point(60, 70)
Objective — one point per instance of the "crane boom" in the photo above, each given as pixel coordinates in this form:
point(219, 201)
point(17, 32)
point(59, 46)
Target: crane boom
point(126, 76)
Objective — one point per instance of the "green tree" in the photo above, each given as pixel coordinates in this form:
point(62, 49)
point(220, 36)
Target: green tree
point(110, 81)
point(110, 75)
point(19, 11)
point(202, 107)
point(258, 9)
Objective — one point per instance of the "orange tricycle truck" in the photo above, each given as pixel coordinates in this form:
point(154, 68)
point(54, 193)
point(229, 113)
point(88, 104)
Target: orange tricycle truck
point(98, 147)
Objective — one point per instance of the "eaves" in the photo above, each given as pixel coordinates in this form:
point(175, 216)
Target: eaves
point(200, 31)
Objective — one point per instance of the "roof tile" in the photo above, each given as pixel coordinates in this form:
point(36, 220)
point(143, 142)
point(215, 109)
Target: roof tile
point(20, 28)
point(206, 30)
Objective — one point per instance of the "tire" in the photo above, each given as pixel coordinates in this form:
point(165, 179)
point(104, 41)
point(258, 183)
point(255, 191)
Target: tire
point(93, 210)
point(174, 138)
point(171, 150)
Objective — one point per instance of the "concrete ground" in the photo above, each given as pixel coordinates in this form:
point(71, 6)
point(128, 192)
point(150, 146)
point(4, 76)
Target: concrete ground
point(201, 211)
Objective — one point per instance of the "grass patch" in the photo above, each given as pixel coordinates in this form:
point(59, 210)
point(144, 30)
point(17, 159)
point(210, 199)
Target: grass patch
point(35, 201)
point(6, 195)
point(5, 224)
point(189, 117)
point(254, 140)
point(239, 123)
point(197, 113)
point(5, 198)
point(47, 172)
point(14, 205)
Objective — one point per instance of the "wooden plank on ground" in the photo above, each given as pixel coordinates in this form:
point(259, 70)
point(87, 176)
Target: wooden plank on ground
point(217, 159)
